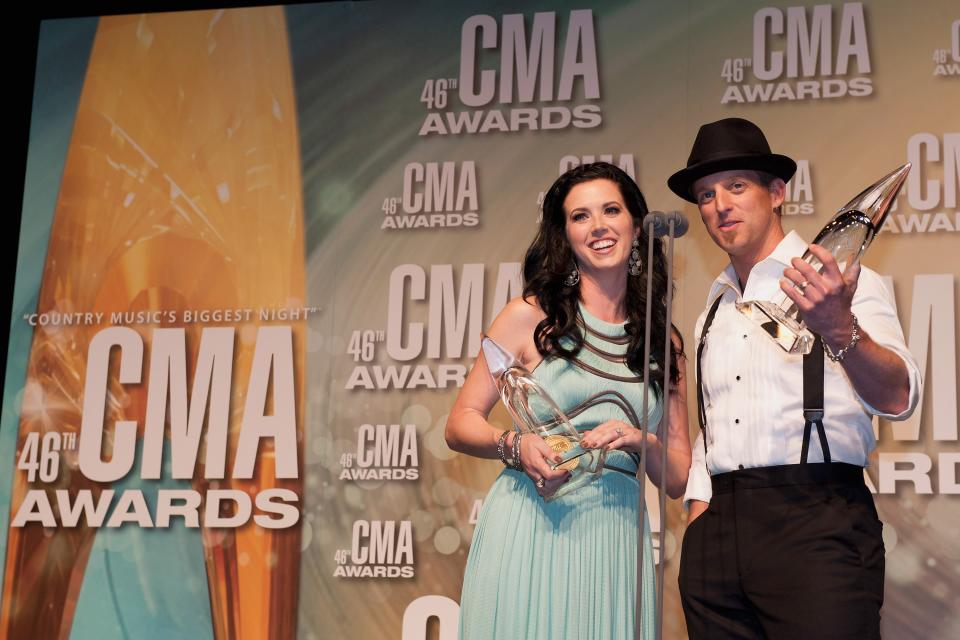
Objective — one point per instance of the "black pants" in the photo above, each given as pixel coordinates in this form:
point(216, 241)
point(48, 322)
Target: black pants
point(785, 552)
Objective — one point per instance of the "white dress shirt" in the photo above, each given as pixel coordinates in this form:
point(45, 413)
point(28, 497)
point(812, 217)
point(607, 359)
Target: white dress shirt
point(753, 389)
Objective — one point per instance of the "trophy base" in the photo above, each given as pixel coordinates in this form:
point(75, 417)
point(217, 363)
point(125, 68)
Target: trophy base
point(574, 483)
point(790, 334)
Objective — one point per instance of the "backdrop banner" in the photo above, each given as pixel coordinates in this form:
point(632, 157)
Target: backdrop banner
point(259, 248)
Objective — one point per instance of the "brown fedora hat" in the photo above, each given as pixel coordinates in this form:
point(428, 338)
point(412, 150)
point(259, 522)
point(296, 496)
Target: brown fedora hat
point(731, 143)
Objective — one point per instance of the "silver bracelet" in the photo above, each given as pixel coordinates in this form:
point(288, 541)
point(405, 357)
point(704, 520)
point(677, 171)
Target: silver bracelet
point(516, 452)
point(842, 353)
point(501, 444)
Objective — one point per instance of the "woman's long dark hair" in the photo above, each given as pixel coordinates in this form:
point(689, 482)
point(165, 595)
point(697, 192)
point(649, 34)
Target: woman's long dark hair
point(549, 260)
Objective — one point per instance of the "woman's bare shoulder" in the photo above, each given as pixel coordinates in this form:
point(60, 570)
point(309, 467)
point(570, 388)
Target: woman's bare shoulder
point(514, 326)
point(525, 311)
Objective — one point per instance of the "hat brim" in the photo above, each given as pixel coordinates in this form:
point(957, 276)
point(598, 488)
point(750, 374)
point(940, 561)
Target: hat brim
point(681, 183)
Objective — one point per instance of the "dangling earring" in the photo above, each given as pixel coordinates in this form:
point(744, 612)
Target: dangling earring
point(573, 278)
point(634, 264)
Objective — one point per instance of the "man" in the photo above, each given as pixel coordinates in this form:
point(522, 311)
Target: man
point(783, 540)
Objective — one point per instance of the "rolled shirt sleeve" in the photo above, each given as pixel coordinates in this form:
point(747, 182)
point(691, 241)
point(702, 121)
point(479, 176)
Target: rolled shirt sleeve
point(874, 307)
point(699, 486)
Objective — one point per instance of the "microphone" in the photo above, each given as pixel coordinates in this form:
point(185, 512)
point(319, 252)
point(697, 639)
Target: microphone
point(660, 223)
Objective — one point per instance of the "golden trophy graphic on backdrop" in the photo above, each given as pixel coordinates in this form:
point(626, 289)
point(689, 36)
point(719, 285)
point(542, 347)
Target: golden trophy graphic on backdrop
point(181, 191)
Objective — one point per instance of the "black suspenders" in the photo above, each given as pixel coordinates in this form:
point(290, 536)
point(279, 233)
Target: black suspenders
point(701, 412)
point(812, 391)
point(813, 400)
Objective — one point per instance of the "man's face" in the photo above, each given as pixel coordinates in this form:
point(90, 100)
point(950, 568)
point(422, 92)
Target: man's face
point(738, 211)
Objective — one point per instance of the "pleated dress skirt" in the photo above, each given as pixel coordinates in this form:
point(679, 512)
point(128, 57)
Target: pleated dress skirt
point(560, 569)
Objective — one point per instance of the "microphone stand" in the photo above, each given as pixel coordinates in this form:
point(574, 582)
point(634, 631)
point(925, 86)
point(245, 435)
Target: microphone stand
point(672, 225)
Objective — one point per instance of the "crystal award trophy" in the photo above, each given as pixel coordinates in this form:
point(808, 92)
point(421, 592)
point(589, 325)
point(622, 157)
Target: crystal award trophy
point(846, 236)
point(534, 411)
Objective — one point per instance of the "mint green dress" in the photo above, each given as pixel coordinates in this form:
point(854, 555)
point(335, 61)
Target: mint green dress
point(567, 568)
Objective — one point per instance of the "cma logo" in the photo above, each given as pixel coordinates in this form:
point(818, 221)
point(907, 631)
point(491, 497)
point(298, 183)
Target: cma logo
point(926, 150)
point(384, 452)
point(530, 70)
point(624, 161)
point(440, 187)
point(435, 194)
point(932, 186)
point(803, 54)
point(947, 61)
point(798, 200)
point(795, 43)
point(379, 549)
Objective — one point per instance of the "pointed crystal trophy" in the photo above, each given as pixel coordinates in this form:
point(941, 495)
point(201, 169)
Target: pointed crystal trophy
point(846, 236)
point(534, 411)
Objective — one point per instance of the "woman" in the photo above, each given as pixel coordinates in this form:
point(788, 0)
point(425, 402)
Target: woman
point(567, 568)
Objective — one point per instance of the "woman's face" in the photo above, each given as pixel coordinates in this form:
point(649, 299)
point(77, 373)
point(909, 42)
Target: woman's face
point(599, 226)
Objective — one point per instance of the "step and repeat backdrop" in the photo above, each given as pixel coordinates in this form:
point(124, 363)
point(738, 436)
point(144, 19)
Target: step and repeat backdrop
point(259, 246)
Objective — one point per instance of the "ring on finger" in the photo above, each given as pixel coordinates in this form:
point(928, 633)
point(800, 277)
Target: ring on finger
point(541, 483)
point(620, 432)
